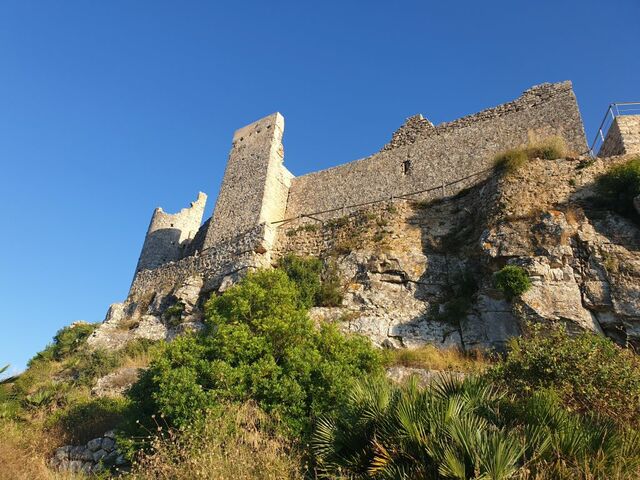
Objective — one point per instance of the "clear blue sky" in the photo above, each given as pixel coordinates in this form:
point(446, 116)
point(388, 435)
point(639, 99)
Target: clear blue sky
point(109, 109)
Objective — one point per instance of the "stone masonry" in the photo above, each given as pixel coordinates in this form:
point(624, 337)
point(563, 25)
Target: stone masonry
point(169, 234)
point(623, 137)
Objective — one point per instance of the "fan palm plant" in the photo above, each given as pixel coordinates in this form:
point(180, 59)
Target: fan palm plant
point(467, 429)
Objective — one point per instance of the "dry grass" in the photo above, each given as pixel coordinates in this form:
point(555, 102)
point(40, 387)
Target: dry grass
point(24, 452)
point(237, 445)
point(430, 357)
point(140, 360)
point(549, 148)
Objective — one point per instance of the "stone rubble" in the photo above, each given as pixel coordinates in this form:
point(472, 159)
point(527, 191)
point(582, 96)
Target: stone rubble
point(96, 456)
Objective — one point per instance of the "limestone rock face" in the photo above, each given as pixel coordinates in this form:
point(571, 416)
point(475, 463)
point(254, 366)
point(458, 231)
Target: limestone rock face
point(405, 271)
point(143, 316)
point(116, 383)
point(422, 272)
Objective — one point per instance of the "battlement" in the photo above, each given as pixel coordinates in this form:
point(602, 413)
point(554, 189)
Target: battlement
point(421, 156)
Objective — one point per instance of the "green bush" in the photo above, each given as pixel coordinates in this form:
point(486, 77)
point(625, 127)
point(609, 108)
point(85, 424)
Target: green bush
point(305, 272)
point(88, 366)
point(173, 314)
point(588, 372)
point(512, 280)
point(620, 185)
point(547, 149)
point(259, 345)
point(67, 341)
point(319, 284)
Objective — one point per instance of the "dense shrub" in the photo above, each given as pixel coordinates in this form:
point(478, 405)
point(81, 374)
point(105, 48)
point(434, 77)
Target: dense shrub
point(549, 148)
point(512, 280)
point(88, 366)
point(305, 272)
point(588, 372)
point(319, 284)
point(511, 160)
point(88, 419)
point(260, 345)
point(620, 185)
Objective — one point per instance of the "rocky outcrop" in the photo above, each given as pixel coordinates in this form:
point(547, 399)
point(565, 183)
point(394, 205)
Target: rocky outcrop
point(420, 273)
point(96, 456)
point(155, 315)
point(116, 383)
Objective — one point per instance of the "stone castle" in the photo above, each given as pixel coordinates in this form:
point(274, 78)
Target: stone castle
point(260, 201)
point(258, 193)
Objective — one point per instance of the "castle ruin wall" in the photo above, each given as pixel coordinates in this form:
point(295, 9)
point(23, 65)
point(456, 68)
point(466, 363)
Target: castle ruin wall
point(426, 157)
point(169, 234)
point(230, 257)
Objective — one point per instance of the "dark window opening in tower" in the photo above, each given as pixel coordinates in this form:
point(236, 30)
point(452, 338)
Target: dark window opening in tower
point(406, 167)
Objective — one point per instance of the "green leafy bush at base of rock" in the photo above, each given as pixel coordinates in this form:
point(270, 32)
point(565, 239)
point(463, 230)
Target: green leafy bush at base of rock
point(588, 372)
point(259, 345)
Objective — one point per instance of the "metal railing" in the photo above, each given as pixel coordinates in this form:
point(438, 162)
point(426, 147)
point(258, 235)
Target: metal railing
point(615, 110)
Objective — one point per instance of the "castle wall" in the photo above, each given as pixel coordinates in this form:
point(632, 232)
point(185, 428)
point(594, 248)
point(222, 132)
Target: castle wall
point(245, 250)
point(169, 234)
point(442, 154)
point(623, 137)
point(255, 185)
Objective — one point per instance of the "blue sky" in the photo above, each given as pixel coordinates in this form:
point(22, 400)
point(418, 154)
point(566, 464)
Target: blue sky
point(109, 109)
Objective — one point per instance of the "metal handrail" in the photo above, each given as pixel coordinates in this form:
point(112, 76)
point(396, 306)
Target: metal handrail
point(614, 110)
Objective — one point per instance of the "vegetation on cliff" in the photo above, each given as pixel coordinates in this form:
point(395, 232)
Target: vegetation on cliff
point(263, 392)
point(259, 345)
point(547, 149)
point(619, 186)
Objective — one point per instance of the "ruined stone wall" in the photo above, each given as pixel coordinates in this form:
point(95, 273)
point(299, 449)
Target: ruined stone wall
point(255, 185)
point(169, 234)
point(246, 250)
point(425, 157)
point(623, 137)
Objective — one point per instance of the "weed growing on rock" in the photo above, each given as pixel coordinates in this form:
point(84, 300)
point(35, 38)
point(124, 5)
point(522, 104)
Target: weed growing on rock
point(512, 160)
point(512, 280)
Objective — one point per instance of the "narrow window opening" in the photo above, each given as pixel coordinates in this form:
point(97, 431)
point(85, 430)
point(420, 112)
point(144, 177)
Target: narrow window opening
point(406, 167)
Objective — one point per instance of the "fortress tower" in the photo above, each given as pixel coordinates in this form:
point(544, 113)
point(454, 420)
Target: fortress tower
point(169, 234)
point(255, 185)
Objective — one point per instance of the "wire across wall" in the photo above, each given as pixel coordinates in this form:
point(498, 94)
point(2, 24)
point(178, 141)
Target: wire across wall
point(343, 208)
